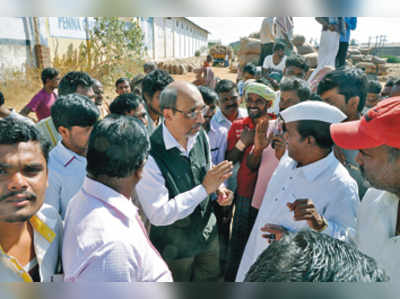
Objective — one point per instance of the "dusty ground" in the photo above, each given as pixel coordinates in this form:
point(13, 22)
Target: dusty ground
point(220, 72)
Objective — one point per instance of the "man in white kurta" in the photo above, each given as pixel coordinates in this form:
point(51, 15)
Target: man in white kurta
point(377, 137)
point(325, 182)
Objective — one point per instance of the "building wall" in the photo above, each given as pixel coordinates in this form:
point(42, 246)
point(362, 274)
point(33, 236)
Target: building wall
point(163, 37)
point(64, 32)
point(176, 38)
point(15, 43)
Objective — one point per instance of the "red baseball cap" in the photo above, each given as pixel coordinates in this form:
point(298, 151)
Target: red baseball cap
point(379, 126)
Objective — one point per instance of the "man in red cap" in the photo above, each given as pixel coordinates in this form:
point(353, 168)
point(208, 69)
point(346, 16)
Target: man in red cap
point(377, 137)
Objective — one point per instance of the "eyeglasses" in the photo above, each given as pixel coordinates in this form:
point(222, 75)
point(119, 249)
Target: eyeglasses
point(193, 114)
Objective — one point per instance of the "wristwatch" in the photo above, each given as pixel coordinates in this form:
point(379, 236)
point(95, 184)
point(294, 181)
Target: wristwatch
point(324, 225)
point(240, 145)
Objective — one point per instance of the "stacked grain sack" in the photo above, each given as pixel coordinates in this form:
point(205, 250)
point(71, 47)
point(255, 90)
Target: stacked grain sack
point(305, 49)
point(250, 50)
point(180, 66)
point(371, 64)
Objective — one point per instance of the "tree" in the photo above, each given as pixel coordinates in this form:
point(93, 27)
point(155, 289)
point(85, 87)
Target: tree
point(114, 49)
point(113, 42)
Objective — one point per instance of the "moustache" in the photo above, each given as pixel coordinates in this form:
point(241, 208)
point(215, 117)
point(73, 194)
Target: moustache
point(28, 195)
point(196, 126)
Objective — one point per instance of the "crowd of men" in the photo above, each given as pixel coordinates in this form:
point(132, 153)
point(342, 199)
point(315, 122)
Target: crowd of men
point(265, 179)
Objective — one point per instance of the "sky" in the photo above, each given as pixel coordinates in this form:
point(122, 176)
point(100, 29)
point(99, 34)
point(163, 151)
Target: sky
point(232, 29)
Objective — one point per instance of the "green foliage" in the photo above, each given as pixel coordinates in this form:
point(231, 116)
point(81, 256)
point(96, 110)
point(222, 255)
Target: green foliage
point(197, 53)
point(114, 49)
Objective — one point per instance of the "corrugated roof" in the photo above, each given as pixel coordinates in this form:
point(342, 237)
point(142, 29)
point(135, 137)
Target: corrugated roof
point(197, 25)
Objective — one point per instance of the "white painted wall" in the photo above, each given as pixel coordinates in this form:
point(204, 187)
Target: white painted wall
point(14, 51)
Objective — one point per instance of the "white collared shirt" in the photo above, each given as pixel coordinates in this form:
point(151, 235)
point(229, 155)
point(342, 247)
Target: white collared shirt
point(47, 241)
point(154, 196)
point(219, 119)
point(218, 138)
point(67, 171)
point(376, 234)
point(326, 182)
point(105, 241)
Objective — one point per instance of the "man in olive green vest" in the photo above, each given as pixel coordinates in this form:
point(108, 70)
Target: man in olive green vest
point(179, 184)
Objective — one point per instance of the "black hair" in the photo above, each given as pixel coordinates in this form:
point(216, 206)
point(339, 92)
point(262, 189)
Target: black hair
point(265, 82)
point(149, 67)
point(1, 99)
point(374, 87)
point(121, 80)
point(48, 73)
point(297, 61)
point(309, 256)
point(350, 82)
point(294, 84)
point(74, 110)
point(250, 68)
point(155, 81)
point(125, 103)
point(317, 129)
point(71, 81)
point(118, 146)
point(13, 131)
point(209, 95)
point(278, 46)
point(225, 86)
point(315, 97)
point(390, 82)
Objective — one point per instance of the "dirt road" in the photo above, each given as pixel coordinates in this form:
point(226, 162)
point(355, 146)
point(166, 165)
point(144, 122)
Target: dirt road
point(220, 72)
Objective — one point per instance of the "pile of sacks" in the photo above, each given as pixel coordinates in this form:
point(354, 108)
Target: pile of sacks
point(304, 48)
point(221, 50)
point(369, 63)
point(250, 50)
point(180, 66)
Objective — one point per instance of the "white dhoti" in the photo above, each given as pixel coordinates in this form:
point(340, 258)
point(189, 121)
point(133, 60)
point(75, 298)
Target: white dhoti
point(328, 48)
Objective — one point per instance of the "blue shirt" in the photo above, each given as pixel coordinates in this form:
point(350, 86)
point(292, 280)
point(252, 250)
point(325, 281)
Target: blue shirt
point(351, 23)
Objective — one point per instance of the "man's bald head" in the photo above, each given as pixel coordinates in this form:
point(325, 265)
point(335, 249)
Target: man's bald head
point(178, 90)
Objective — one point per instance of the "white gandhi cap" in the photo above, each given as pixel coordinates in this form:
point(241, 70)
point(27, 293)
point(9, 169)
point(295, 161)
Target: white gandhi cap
point(313, 110)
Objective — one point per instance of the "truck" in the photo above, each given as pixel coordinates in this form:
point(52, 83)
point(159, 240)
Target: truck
point(218, 53)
